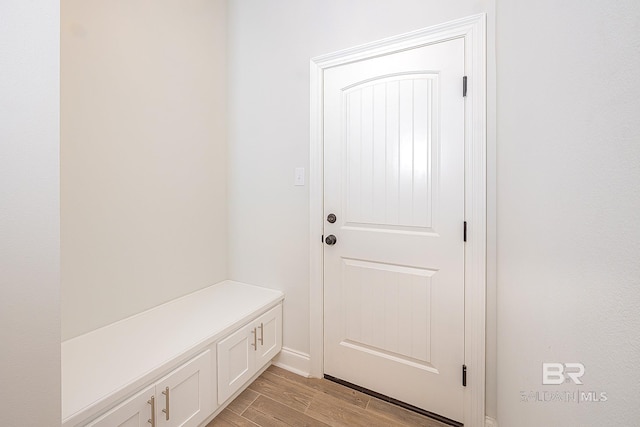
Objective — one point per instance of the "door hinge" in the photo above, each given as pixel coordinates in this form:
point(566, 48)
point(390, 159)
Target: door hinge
point(464, 375)
point(464, 86)
point(464, 232)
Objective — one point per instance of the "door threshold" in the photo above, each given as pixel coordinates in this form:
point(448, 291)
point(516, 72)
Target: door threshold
point(394, 401)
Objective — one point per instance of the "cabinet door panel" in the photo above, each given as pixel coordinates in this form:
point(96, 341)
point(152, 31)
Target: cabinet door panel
point(189, 394)
point(235, 362)
point(270, 330)
point(133, 412)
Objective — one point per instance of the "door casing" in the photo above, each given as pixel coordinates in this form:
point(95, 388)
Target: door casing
point(473, 30)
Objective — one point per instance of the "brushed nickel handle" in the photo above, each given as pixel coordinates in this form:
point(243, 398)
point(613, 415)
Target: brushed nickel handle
point(152, 420)
point(166, 402)
point(255, 339)
point(261, 333)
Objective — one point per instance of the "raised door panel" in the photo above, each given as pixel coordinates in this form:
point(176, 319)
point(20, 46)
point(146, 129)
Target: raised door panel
point(133, 412)
point(269, 327)
point(236, 361)
point(183, 398)
point(390, 126)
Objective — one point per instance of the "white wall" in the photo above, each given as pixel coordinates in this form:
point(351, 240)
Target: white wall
point(568, 203)
point(270, 45)
point(567, 180)
point(144, 208)
point(29, 214)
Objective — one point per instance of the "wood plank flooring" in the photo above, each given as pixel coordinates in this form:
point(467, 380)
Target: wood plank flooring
point(281, 398)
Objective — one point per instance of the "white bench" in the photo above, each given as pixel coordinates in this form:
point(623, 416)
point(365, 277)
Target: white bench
point(190, 356)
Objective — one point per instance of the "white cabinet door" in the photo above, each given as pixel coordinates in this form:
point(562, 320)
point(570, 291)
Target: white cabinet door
point(244, 352)
point(236, 357)
point(133, 412)
point(269, 330)
point(183, 398)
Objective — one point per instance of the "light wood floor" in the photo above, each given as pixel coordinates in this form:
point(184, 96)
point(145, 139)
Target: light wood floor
point(279, 398)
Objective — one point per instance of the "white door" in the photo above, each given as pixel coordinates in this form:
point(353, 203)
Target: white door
point(269, 336)
point(394, 179)
point(183, 398)
point(133, 412)
point(236, 361)
point(246, 351)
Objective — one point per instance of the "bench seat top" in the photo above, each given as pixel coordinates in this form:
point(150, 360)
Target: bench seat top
point(104, 366)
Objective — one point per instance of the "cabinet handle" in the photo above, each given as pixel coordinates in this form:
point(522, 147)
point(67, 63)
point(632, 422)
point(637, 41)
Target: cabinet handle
point(255, 339)
point(152, 420)
point(261, 333)
point(166, 402)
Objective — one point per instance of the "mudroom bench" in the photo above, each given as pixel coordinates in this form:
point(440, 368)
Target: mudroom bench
point(177, 364)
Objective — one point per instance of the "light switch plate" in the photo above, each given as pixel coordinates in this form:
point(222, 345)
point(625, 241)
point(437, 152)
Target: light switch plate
point(299, 178)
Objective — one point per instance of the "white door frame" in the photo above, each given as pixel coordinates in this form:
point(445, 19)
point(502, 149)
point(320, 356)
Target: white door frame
point(472, 29)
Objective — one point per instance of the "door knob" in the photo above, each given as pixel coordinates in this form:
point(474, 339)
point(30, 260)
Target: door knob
point(331, 240)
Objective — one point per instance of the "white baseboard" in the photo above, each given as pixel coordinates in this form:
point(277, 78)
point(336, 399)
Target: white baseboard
point(490, 422)
point(294, 361)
